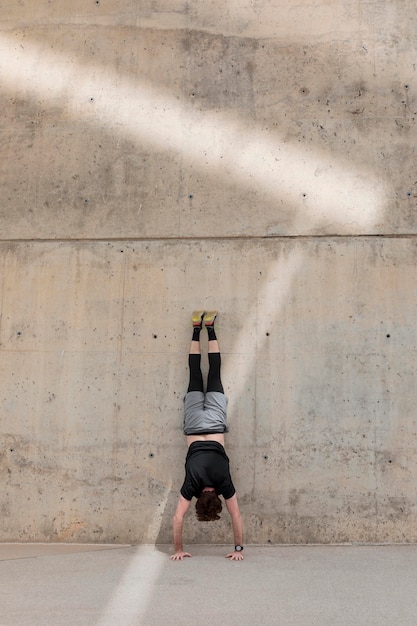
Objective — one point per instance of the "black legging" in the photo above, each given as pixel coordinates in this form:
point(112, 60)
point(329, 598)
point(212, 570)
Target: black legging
point(214, 382)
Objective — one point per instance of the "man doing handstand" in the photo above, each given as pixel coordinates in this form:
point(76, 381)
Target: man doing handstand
point(207, 473)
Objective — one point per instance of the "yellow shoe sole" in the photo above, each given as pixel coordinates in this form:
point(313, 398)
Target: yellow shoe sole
point(209, 318)
point(197, 318)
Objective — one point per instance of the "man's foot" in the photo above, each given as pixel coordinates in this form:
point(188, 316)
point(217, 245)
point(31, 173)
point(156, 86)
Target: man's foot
point(209, 318)
point(197, 318)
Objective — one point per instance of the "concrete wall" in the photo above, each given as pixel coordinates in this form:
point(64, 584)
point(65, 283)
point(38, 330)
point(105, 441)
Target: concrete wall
point(258, 158)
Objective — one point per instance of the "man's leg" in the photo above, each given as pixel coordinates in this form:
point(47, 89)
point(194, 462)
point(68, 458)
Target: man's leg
point(215, 403)
point(194, 398)
point(194, 357)
point(214, 382)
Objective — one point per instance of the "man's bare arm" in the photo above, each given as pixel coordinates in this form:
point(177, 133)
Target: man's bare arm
point(178, 521)
point(233, 508)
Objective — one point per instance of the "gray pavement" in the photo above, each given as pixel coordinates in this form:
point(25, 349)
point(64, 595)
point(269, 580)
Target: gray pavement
point(85, 585)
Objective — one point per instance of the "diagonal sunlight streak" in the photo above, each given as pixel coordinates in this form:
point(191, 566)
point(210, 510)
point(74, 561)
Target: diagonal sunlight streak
point(275, 288)
point(323, 191)
point(133, 595)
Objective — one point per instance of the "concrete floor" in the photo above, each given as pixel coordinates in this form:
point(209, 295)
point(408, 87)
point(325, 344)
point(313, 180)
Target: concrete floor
point(86, 585)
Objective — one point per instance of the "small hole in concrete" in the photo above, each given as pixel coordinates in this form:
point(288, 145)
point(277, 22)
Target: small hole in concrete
point(191, 196)
point(155, 336)
point(151, 455)
point(85, 200)
point(91, 99)
point(388, 336)
point(406, 86)
point(267, 334)
point(265, 457)
point(18, 333)
point(409, 194)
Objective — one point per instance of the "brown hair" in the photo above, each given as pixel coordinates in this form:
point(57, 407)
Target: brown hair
point(208, 506)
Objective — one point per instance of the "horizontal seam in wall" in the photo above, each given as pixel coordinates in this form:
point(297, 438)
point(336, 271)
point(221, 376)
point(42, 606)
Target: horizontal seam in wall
point(205, 238)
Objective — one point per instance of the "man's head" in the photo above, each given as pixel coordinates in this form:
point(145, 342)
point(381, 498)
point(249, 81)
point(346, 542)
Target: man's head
point(208, 506)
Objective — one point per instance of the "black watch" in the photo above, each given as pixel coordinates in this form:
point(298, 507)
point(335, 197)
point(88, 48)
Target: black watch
point(238, 548)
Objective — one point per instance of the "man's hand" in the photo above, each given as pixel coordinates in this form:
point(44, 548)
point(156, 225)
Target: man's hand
point(233, 508)
point(179, 556)
point(182, 508)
